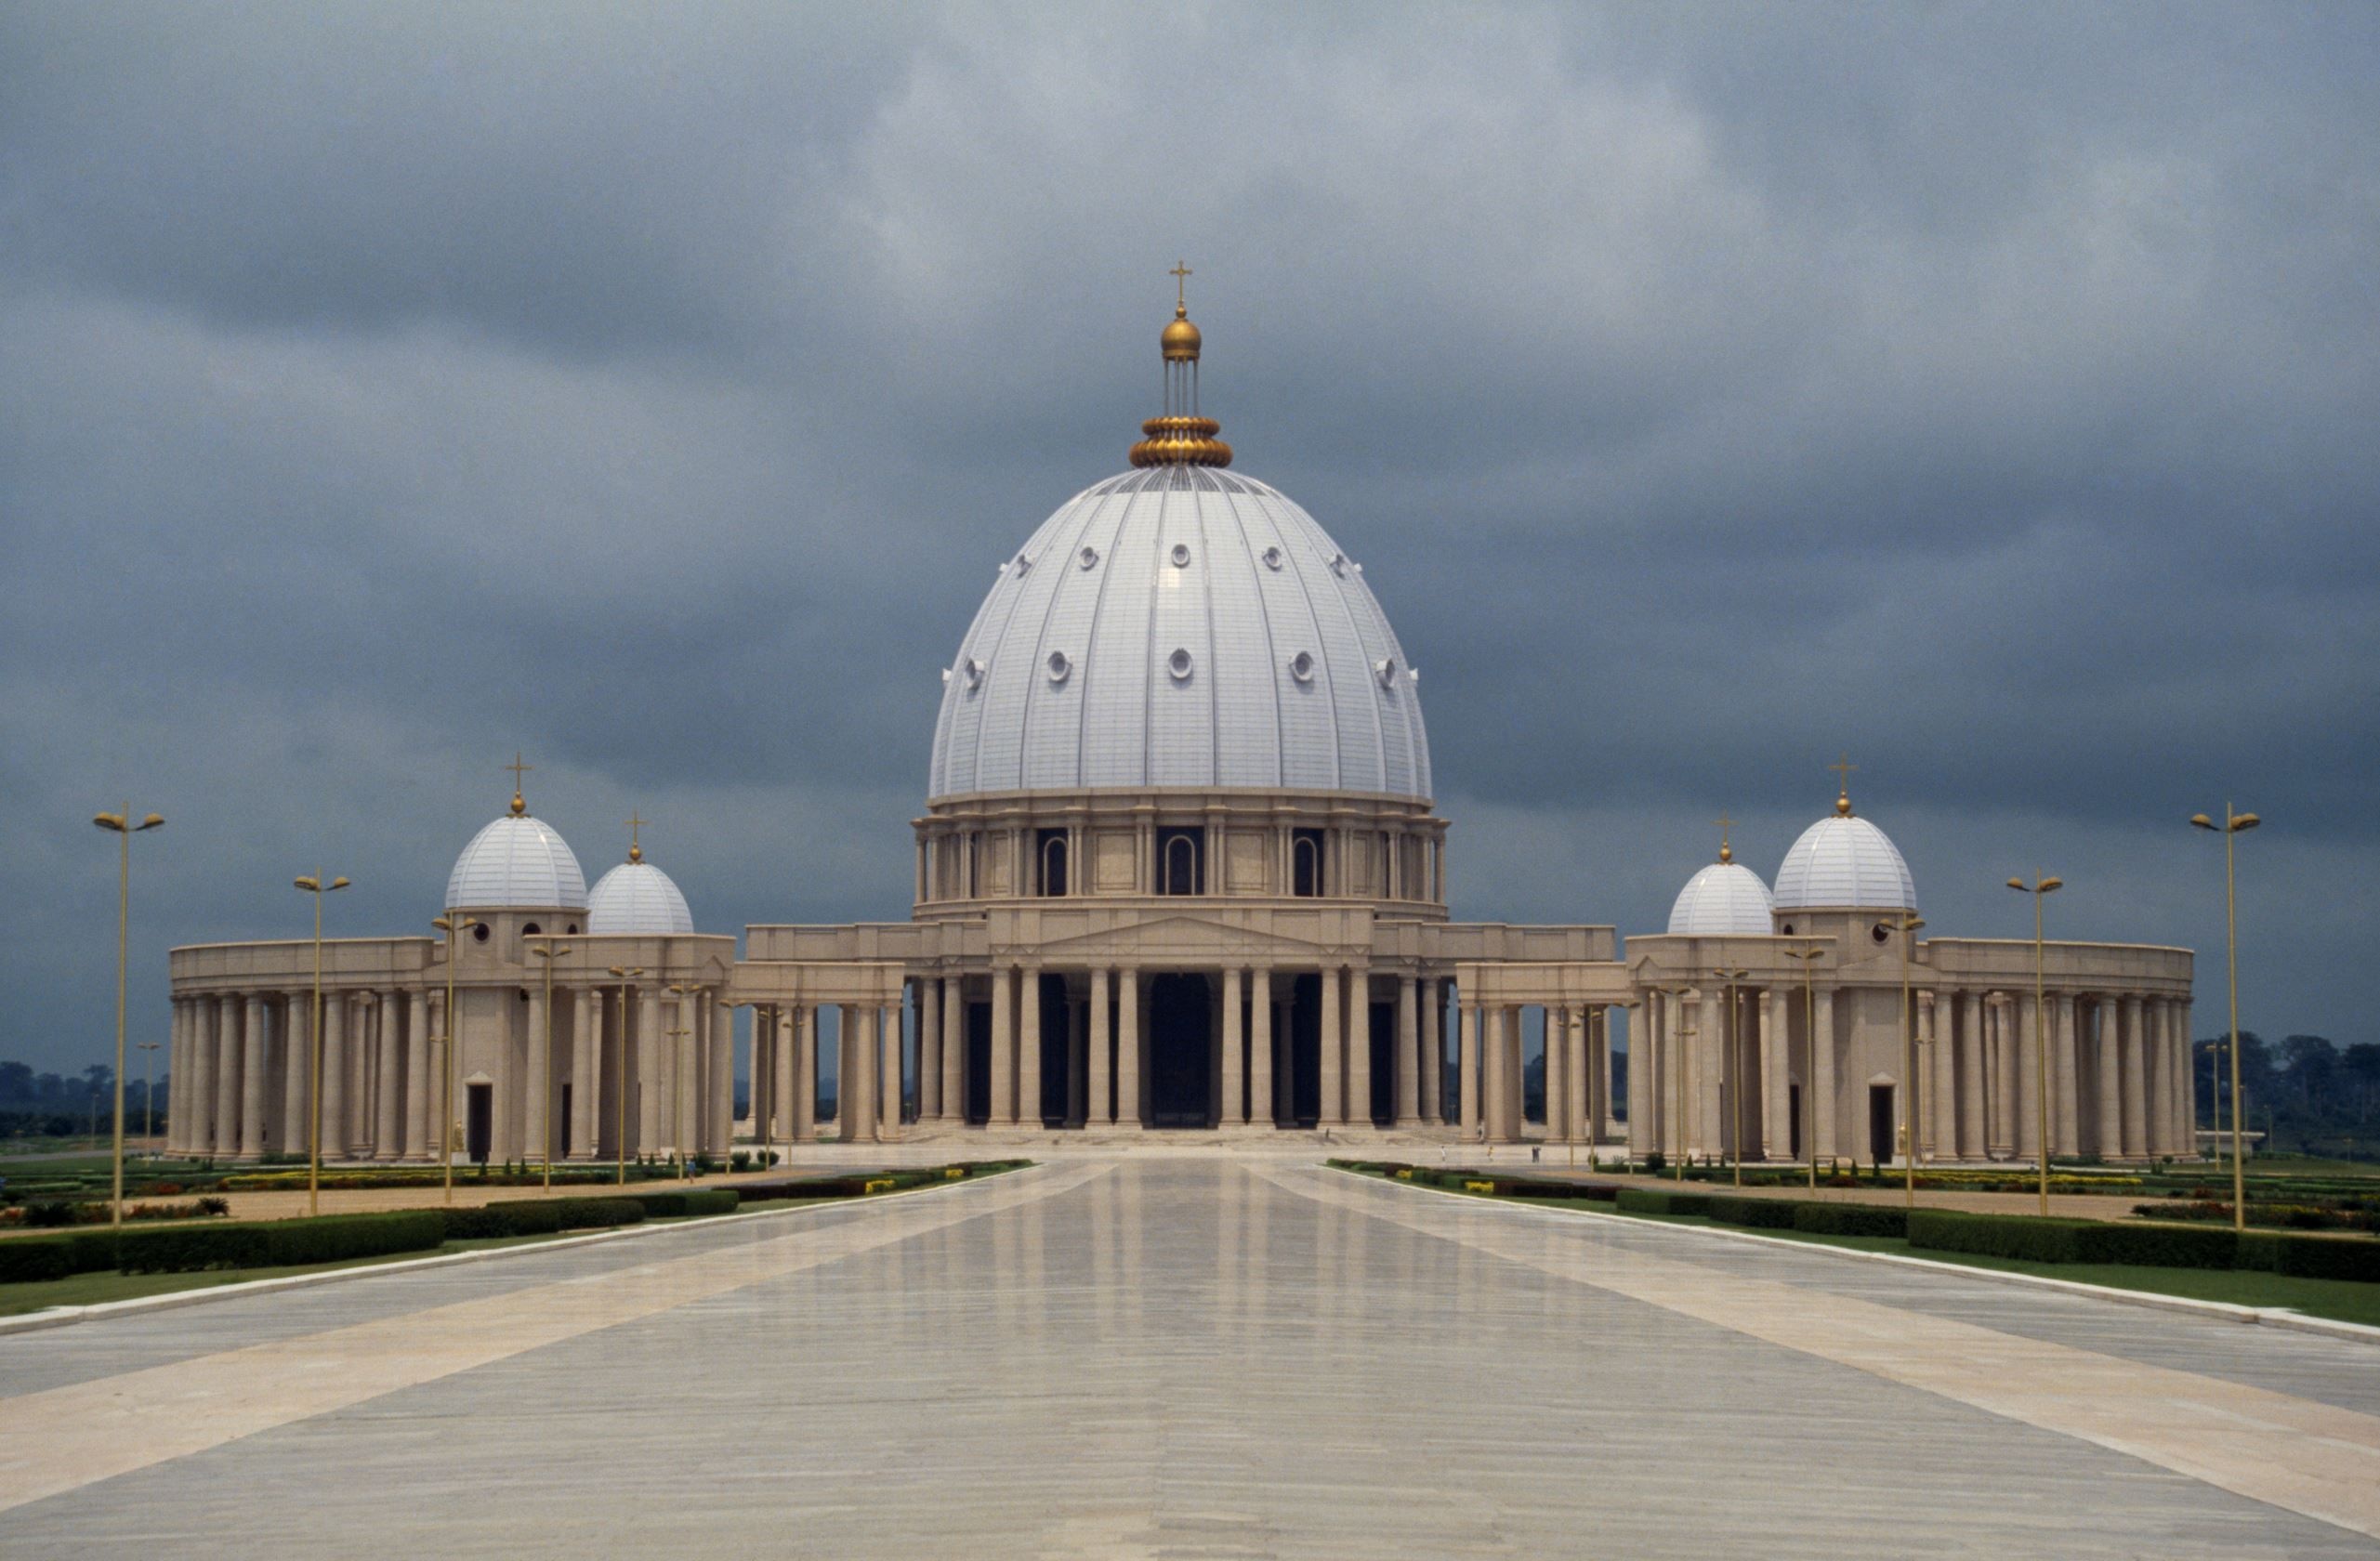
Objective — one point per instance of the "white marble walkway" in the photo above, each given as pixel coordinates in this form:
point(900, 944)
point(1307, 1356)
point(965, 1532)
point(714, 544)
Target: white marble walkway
point(1184, 1356)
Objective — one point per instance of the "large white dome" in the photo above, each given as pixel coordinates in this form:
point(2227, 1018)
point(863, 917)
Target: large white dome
point(1844, 862)
point(1180, 625)
point(517, 860)
point(636, 898)
point(1726, 899)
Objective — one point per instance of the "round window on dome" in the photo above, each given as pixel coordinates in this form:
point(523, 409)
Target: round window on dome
point(1059, 666)
point(1272, 558)
point(1179, 665)
point(1088, 558)
point(1181, 555)
point(1301, 666)
point(479, 933)
point(1881, 933)
point(1385, 669)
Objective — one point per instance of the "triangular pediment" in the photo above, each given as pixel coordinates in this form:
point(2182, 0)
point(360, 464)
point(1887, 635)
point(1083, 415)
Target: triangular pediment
point(1180, 938)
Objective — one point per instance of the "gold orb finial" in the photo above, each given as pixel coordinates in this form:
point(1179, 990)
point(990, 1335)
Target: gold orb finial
point(1843, 768)
point(520, 803)
point(1181, 437)
point(636, 845)
point(1727, 852)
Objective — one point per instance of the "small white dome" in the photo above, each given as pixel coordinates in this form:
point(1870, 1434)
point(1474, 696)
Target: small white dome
point(1726, 899)
point(1844, 862)
point(636, 897)
point(517, 860)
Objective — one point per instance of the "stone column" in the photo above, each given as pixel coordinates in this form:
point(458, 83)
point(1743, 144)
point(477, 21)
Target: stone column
point(805, 1114)
point(389, 1137)
point(1578, 1072)
point(722, 1135)
point(1334, 1049)
point(583, 1073)
point(420, 1103)
point(2135, 1080)
point(1099, 1108)
point(1359, 1045)
point(1408, 1052)
point(2109, 1139)
point(1029, 1047)
point(537, 1081)
point(1003, 1046)
point(1942, 1114)
point(1999, 1029)
point(1262, 1107)
point(1642, 1140)
point(645, 1111)
point(2030, 1020)
point(297, 1130)
point(1467, 1081)
point(2158, 1014)
point(2064, 1058)
point(1433, 1053)
point(888, 1073)
point(1967, 1026)
point(1823, 1140)
point(195, 1103)
point(1770, 1140)
point(1556, 1076)
point(854, 1090)
point(1127, 1049)
point(930, 1049)
point(952, 1055)
point(1234, 1111)
point(252, 1075)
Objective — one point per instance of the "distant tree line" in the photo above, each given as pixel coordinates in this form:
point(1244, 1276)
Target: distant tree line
point(2308, 1095)
point(36, 1104)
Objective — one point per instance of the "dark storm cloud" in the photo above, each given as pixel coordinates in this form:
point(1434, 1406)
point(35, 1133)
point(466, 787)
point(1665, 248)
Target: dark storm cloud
point(1985, 390)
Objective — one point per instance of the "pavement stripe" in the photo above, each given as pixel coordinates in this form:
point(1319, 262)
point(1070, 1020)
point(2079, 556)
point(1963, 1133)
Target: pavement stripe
point(67, 1438)
point(2309, 1458)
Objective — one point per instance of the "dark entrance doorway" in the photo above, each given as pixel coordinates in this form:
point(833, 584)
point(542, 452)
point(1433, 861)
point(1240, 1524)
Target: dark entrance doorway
point(1306, 1050)
point(1180, 1057)
point(1879, 1123)
point(479, 1133)
point(565, 1133)
point(1382, 1106)
point(978, 1063)
point(1794, 1121)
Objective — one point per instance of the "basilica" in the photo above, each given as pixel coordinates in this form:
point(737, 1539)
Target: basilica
point(1179, 870)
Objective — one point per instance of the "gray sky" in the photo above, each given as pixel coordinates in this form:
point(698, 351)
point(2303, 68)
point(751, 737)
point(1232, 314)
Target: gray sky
point(1985, 390)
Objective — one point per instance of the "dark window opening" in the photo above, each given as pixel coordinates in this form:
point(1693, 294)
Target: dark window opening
point(1181, 862)
point(1052, 862)
point(1306, 863)
point(531, 930)
point(479, 933)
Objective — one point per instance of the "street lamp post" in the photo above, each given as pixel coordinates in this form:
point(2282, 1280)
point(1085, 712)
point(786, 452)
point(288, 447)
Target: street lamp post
point(124, 829)
point(2040, 888)
point(2232, 828)
point(452, 925)
point(626, 973)
point(1911, 1096)
point(315, 886)
point(548, 951)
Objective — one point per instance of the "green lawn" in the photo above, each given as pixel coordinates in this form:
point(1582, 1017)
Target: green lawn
point(2342, 1300)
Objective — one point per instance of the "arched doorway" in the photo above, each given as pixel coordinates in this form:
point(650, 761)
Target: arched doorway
point(1181, 1060)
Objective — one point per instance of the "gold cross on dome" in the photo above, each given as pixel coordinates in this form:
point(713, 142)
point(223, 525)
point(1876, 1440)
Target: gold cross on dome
point(518, 769)
point(1843, 768)
point(1178, 273)
point(1725, 823)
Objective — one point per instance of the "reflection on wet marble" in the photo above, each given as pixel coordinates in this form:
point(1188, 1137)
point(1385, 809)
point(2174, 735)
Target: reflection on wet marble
point(1154, 1356)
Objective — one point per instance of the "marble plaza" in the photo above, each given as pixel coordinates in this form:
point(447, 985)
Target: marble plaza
point(1206, 1353)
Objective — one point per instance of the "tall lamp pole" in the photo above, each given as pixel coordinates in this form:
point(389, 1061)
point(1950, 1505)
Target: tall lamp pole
point(2040, 888)
point(124, 829)
point(1911, 1096)
point(452, 923)
point(315, 886)
point(548, 951)
point(626, 973)
point(2232, 828)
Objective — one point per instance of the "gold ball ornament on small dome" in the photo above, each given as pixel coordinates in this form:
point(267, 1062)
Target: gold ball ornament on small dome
point(1182, 340)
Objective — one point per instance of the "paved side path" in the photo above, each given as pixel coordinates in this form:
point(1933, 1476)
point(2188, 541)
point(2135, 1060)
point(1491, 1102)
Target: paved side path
point(1184, 1356)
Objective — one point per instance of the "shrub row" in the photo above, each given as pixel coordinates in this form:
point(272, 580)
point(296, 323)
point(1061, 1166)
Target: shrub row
point(540, 1217)
point(2036, 1239)
point(692, 1203)
point(280, 1243)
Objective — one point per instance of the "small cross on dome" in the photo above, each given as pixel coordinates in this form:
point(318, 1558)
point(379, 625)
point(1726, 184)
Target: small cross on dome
point(520, 803)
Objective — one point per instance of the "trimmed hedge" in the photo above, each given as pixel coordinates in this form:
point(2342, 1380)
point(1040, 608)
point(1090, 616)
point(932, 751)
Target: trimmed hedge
point(280, 1243)
point(31, 1258)
point(2036, 1239)
point(689, 1204)
point(1650, 1200)
point(1760, 1213)
point(1850, 1219)
point(539, 1218)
